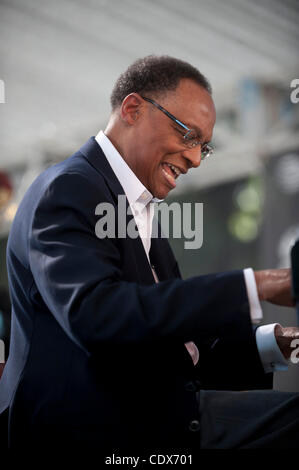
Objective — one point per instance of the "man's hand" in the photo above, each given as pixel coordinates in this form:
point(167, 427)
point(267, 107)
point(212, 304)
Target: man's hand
point(274, 285)
point(284, 338)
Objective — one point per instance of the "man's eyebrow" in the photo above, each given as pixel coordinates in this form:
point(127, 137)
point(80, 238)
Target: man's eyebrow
point(200, 134)
point(198, 130)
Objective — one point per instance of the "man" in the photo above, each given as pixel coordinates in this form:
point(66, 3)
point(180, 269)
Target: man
point(110, 348)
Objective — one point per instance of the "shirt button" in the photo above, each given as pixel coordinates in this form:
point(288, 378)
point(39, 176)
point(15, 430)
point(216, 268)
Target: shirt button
point(194, 425)
point(144, 195)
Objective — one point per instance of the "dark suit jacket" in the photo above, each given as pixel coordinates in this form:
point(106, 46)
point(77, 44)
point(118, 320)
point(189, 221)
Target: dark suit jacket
point(97, 352)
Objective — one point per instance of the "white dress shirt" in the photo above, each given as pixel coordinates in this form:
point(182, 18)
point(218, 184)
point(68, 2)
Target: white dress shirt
point(141, 203)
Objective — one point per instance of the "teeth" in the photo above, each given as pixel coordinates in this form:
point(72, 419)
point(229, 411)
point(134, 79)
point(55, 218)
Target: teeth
point(175, 169)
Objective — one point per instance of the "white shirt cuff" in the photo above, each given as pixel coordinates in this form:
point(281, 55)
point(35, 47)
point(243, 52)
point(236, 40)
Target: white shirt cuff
point(256, 312)
point(269, 351)
point(271, 356)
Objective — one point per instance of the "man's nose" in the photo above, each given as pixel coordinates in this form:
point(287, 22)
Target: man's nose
point(193, 156)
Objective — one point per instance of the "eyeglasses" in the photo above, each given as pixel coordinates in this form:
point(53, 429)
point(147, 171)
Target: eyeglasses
point(190, 137)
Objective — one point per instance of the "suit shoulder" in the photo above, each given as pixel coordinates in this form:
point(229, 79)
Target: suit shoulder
point(65, 184)
point(73, 189)
point(72, 178)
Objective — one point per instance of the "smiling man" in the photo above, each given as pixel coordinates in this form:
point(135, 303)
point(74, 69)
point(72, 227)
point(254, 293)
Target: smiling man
point(163, 146)
point(110, 349)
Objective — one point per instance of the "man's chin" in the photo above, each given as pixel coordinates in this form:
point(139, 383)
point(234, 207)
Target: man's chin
point(162, 194)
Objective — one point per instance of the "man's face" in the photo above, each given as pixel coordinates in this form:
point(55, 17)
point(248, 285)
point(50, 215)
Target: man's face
point(158, 143)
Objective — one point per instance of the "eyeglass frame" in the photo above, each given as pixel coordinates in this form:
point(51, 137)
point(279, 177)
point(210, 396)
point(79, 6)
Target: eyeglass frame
point(210, 148)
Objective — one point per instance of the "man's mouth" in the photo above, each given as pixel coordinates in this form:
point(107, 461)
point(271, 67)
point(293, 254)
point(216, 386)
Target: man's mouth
point(171, 173)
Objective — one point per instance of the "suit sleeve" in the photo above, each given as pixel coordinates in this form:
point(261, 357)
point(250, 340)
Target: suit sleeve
point(231, 364)
point(79, 278)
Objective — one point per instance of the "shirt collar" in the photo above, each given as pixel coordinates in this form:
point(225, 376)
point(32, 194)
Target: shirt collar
point(135, 191)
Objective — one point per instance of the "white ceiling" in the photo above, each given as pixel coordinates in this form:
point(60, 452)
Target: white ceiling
point(60, 58)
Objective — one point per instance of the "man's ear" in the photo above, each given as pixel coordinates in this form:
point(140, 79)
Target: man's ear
point(131, 108)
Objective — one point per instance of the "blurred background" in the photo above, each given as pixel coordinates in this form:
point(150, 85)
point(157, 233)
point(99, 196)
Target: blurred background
point(58, 63)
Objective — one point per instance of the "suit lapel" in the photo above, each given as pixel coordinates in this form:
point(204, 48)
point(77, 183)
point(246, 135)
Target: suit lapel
point(96, 157)
point(162, 259)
